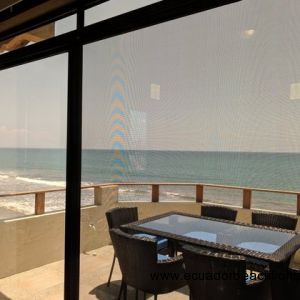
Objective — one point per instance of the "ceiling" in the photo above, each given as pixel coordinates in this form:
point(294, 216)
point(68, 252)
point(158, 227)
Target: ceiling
point(15, 13)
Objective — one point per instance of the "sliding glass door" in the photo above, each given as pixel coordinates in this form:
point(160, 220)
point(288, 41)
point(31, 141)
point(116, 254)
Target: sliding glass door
point(33, 123)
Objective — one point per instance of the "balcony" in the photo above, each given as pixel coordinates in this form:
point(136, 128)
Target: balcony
point(34, 260)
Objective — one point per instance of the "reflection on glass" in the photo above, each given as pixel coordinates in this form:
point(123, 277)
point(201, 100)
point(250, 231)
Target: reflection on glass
point(189, 101)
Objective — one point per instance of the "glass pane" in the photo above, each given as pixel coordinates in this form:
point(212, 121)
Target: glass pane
point(208, 99)
point(33, 119)
point(250, 238)
point(39, 34)
point(113, 8)
point(168, 113)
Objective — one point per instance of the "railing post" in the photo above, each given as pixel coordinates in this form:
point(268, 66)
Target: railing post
point(97, 195)
point(247, 194)
point(39, 203)
point(199, 193)
point(298, 204)
point(155, 193)
point(106, 194)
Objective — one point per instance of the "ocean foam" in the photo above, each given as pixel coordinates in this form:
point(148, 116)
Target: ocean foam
point(41, 181)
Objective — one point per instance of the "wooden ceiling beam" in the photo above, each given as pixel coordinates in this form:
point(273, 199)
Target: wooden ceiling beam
point(30, 14)
point(34, 36)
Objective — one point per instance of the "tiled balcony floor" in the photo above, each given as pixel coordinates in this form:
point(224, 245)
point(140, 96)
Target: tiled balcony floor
point(46, 282)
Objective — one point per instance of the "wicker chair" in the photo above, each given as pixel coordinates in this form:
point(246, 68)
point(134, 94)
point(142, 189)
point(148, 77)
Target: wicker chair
point(116, 217)
point(274, 220)
point(218, 212)
point(144, 269)
point(119, 216)
point(208, 276)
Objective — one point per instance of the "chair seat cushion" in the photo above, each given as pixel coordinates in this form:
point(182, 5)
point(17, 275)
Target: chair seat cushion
point(162, 257)
point(161, 242)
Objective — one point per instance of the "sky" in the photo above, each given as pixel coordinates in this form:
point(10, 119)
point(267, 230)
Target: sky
point(216, 81)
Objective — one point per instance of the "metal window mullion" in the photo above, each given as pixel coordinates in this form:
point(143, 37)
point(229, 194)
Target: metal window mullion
point(73, 177)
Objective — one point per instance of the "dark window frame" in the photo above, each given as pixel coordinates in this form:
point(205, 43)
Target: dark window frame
point(72, 43)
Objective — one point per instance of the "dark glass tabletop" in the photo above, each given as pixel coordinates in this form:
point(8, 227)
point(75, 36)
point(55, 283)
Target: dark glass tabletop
point(256, 241)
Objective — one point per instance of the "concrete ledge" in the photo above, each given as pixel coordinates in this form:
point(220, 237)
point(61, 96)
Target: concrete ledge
point(33, 241)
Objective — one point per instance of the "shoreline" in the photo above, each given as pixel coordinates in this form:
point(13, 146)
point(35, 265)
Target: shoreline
point(23, 207)
point(265, 205)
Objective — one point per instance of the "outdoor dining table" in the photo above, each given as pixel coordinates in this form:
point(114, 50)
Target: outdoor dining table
point(269, 245)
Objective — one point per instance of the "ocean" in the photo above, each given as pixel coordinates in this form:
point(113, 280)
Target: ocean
point(38, 169)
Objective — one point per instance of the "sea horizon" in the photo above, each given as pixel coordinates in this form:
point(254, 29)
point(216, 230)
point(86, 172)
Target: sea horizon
point(158, 150)
point(29, 169)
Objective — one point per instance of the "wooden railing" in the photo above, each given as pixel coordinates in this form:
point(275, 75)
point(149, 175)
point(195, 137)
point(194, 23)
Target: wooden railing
point(40, 196)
